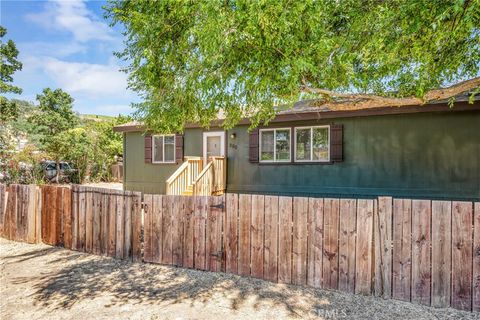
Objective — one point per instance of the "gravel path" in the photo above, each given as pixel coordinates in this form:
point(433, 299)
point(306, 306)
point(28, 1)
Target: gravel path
point(43, 282)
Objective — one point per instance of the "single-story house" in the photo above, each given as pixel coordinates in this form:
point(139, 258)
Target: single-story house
point(419, 151)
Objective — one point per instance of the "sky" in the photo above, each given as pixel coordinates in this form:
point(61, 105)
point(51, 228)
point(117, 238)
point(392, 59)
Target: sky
point(68, 44)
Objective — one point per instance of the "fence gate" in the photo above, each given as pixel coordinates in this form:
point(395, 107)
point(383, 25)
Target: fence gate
point(184, 231)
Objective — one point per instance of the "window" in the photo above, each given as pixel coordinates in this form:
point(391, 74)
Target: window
point(163, 149)
point(275, 145)
point(312, 144)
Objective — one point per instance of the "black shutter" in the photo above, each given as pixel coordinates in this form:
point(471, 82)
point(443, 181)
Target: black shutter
point(179, 148)
point(253, 146)
point(148, 148)
point(336, 142)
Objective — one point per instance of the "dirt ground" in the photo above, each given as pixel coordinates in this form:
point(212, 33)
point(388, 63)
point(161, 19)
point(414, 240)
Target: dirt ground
point(43, 282)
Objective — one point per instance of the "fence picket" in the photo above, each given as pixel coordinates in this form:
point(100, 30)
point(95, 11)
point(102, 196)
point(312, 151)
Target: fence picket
point(421, 234)
point(441, 253)
point(383, 248)
point(104, 220)
point(270, 270)
point(127, 222)
point(112, 225)
point(315, 242)
point(199, 232)
point(67, 217)
point(177, 230)
point(188, 230)
point(231, 233)
point(157, 228)
point(299, 257)
point(148, 207)
point(167, 215)
point(96, 225)
point(462, 255)
point(256, 235)
point(347, 242)
point(244, 214)
point(285, 239)
point(214, 233)
point(363, 263)
point(31, 216)
point(476, 259)
point(330, 243)
point(120, 227)
point(402, 249)
point(82, 211)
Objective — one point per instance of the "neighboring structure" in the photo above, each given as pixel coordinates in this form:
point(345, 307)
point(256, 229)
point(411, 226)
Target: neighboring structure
point(428, 151)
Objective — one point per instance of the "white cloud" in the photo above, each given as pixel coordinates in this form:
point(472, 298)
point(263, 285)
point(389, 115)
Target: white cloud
point(72, 16)
point(87, 78)
point(53, 49)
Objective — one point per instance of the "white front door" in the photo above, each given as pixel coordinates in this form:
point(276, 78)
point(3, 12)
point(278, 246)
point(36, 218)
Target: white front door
point(213, 144)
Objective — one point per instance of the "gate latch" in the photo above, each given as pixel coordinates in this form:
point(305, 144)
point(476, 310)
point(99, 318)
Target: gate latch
point(218, 206)
point(218, 254)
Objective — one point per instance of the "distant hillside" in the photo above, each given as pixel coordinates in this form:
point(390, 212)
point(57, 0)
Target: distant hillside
point(95, 117)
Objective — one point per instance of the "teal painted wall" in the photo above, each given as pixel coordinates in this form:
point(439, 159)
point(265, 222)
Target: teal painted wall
point(423, 155)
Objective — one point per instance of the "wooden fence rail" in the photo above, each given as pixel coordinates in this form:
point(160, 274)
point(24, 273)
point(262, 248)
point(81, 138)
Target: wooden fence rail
point(423, 251)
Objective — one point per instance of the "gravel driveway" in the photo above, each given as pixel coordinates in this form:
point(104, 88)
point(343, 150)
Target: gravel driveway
point(43, 282)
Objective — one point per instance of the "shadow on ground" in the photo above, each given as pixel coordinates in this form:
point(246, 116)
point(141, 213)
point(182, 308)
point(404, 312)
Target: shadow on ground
point(84, 276)
point(61, 278)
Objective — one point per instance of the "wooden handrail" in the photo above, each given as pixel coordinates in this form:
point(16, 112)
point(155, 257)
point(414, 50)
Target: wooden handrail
point(212, 179)
point(183, 178)
point(203, 184)
point(177, 172)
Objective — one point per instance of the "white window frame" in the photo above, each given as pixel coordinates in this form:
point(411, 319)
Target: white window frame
point(311, 141)
point(274, 145)
point(163, 148)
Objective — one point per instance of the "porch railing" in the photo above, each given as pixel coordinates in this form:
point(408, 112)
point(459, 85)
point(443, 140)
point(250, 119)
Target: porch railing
point(212, 179)
point(183, 178)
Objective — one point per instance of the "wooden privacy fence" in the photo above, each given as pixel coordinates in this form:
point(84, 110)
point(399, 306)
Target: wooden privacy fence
point(422, 251)
point(93, 220)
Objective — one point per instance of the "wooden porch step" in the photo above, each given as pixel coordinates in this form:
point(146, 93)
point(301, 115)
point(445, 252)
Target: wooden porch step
point(188, 191)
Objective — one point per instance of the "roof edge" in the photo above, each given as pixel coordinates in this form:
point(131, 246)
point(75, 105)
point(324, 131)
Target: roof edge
point(319, 115)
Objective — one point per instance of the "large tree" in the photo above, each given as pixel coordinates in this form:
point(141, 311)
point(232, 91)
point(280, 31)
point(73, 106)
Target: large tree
point(191, 59)
point(55, 113)
point(54, 117)
point(9, 65)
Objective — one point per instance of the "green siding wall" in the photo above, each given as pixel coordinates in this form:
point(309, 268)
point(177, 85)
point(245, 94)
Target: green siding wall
point(149, 177)
point(433, 155)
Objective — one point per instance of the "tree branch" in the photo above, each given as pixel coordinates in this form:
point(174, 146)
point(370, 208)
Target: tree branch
point(353, 101)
